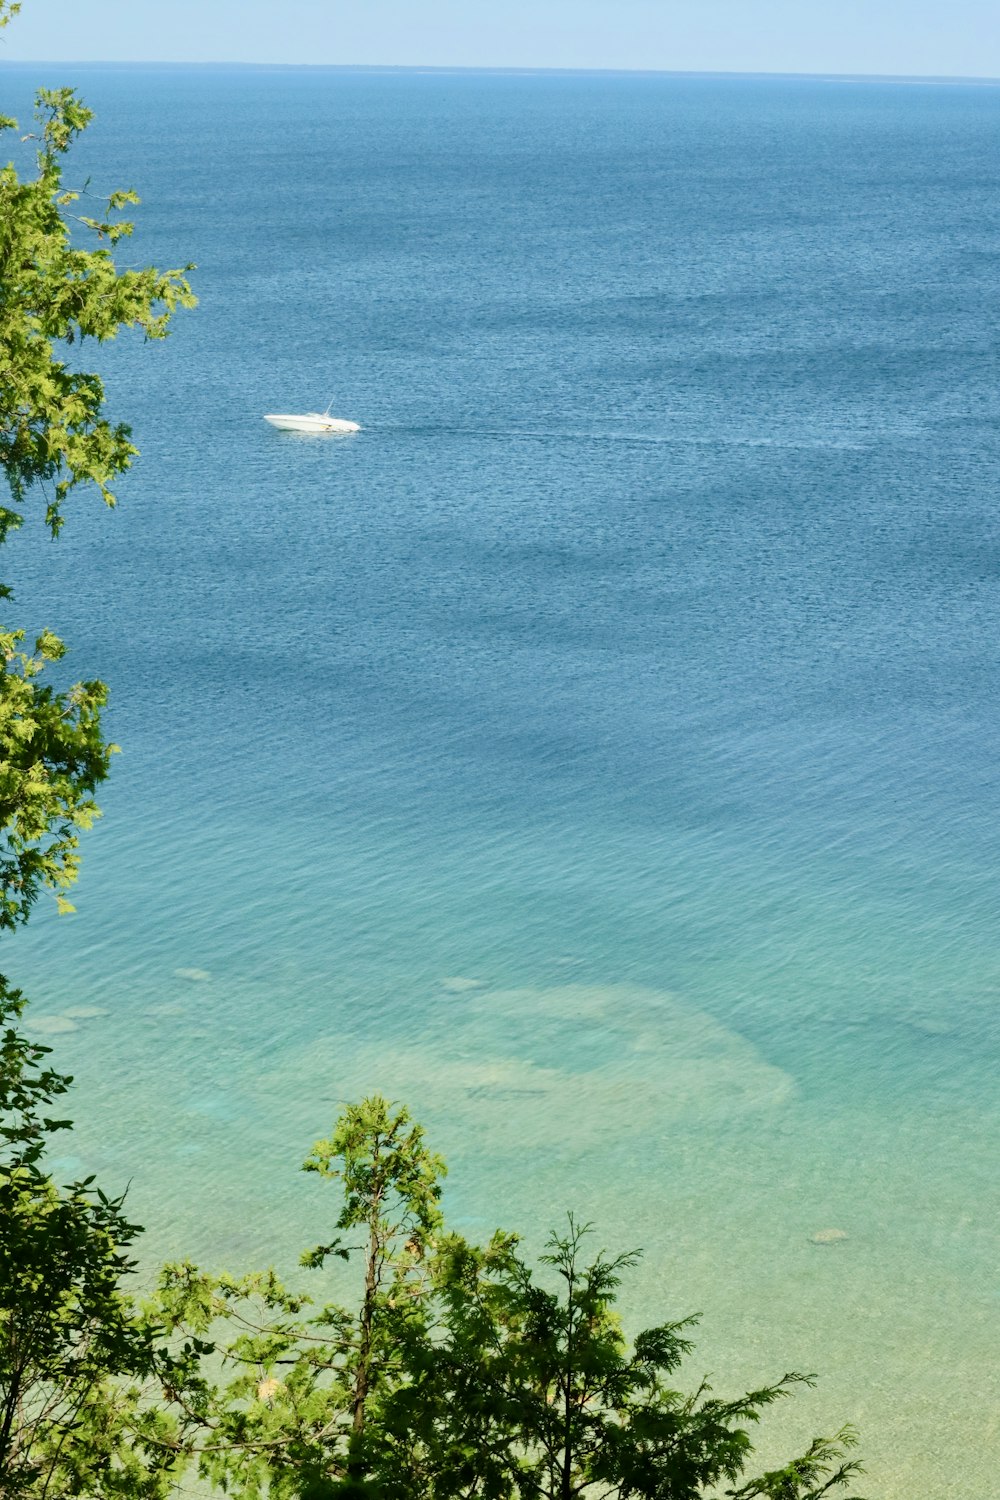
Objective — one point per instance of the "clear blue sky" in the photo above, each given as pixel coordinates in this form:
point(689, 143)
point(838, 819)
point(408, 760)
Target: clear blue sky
point(937, 37)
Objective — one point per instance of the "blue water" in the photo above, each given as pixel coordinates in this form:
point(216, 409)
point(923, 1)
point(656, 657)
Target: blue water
point(600, 750)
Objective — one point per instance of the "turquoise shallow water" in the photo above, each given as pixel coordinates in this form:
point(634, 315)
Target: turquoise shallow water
point(599, 752)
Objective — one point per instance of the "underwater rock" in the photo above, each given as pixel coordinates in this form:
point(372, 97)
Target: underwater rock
point(52, 1025)
point(193, 976)
point(828, 1237)
point(931, 1026)
point(575, 1064)
point(84, 1012)
point(460, 986)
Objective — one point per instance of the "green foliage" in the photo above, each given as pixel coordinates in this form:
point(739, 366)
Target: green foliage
point(55, 291)
point(74, 1358)
point(392, 1190)
point(52, 757)
point(822, 1469)
point(53, 431)
point(460, 1376)
point(301, 1403)
point(530, 1391)
point(453, 1372)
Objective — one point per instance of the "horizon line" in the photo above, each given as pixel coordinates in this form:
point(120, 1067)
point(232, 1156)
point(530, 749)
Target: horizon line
point(511, 69)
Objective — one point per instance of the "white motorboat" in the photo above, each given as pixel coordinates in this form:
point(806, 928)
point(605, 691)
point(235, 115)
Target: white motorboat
point(310, 421)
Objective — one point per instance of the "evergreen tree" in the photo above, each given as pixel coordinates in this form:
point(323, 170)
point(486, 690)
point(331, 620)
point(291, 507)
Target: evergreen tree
point(458, 1374)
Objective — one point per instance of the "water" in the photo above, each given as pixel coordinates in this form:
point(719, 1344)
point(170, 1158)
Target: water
point(599, 752)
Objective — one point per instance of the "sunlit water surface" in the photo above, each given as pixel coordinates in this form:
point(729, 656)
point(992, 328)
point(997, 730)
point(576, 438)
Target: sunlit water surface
point(599, 751)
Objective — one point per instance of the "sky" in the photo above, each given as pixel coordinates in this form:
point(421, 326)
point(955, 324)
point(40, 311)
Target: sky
point(939, 38)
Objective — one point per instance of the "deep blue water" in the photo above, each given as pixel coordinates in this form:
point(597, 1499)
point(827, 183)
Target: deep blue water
point(637, 661)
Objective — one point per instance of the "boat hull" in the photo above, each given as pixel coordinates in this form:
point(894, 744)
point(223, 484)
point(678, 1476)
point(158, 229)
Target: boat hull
point(309, 422)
